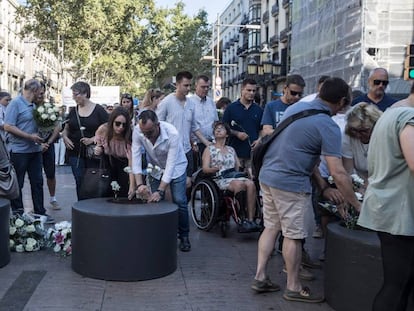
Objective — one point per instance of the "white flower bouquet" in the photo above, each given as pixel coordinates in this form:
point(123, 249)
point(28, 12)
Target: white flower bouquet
point(115, 188)
point(59, 238)
point(26, 233)
point(46, 117)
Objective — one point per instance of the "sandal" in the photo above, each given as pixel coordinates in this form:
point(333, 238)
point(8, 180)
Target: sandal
point(303, 295)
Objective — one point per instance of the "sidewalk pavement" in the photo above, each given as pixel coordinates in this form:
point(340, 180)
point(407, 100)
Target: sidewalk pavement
point(215, 275)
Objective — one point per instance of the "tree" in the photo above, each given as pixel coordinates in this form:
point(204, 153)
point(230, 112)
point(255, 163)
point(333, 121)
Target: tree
point(119, 42)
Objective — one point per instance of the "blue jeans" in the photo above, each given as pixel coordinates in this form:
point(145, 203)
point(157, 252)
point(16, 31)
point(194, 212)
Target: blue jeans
point(32, 164)
point(178, 192)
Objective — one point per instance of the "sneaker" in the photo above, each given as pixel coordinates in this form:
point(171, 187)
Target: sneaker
point(303, 273)
point(55, 205)
point(318, 233)
point(307, 261)
point(248, 226)
point(264, 286)
point(303, 295)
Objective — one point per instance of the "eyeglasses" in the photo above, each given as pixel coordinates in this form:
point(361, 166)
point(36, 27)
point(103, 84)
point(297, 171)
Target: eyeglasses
point(119, 124)
point(378, 82)
point(361, 131)
point(293, 93)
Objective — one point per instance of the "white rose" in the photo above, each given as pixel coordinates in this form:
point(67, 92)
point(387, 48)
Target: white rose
point(19, 223)
point(150, 165)
point(57, 248)
point(56, 109)
point(20, 248)
point(40, 109)
point(44, 116)
point(28, 248)
point(50, 111)
point(62, 225)
point(53, 117)
point(149, 170)
point(31, 241)
point(11, 243)
point(12, 230)
point(30, 228)
point(157, 168)
point(127, 170)
point(47, 105)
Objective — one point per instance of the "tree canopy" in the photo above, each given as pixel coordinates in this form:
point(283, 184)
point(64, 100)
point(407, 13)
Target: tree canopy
point(120, 42)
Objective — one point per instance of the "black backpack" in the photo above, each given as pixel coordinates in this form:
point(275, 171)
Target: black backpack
point(259, 151)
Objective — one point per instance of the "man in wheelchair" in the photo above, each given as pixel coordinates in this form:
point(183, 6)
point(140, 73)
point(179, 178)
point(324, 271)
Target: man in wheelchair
point(221, 160)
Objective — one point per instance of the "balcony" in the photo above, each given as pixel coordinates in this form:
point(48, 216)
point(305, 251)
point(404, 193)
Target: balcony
point(286, 4)
point(227, 45)
point(265, 17)
point(236, 38)
point(242, 51)
point(275, 9)
point(274, 41)
point(284, 35)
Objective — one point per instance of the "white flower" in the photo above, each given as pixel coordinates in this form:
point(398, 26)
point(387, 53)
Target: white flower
point(115, 186)
point(149, 170)
point(51, 111)
point(30, 228)
point(233, 123)
point(11, 243)
point(40, 109)
point(63, 225)
point(19, 223)
point(56, 109)
point(12, 230)
point(44, 116)
point(28, 248)
point(31, 241)
point(359, 196)
point(57, 248)
point(150, 165)
point(20, 248)
point(47, 105)
point(157, 168)
point(357, 180)
point(127, 169)
point(53, 117)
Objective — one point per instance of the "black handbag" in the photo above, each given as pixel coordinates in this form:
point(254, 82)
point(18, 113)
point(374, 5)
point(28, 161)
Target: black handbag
point(96, 182)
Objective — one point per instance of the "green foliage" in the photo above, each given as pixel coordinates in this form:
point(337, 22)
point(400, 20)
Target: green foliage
point(120, 42)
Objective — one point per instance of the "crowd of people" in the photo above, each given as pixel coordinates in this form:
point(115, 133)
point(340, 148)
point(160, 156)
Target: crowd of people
point(370, 135)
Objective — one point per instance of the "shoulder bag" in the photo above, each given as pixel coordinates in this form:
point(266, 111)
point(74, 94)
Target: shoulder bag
point(259, 151)
point(96, 181)
point(9, 185)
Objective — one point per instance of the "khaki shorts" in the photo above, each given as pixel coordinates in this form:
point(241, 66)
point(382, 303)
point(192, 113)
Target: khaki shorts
point(284, 210)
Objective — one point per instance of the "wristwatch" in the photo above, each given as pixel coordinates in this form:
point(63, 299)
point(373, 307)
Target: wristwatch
point(161, 192)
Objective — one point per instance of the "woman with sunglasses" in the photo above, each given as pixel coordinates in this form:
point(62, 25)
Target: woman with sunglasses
point(360, 121)
point(127, 102)
point(114, 140)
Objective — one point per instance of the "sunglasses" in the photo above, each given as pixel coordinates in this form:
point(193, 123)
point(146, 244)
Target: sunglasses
point(378, 82)
point(119, 124)
point(127, 96)
point(293, 93)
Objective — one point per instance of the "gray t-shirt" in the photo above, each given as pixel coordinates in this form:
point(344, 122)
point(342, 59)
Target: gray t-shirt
point(291, 158)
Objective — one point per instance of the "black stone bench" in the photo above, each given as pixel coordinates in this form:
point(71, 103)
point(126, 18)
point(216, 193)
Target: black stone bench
point(4, 232)
point(124, 242)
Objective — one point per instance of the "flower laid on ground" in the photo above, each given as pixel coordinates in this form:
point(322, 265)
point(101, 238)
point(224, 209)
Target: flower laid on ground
point(115, 188)
point(26, 233)
point(345, 211)
point(59, 238)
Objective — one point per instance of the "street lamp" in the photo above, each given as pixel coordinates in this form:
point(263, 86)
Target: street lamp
point(216, 58)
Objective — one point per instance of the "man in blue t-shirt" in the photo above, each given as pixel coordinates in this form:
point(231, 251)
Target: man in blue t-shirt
point(285, 181)
point(243, 116)
point(377, 83)
point(274, 110)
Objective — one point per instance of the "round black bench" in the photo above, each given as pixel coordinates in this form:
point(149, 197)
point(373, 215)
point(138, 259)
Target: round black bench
point(4, 232)
point(124, 242)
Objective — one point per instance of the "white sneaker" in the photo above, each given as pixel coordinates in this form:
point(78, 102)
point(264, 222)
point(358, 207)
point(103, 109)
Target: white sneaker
point(55, 205)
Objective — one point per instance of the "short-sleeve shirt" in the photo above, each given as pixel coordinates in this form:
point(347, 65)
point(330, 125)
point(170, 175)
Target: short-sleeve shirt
point(382, 105)
point(273, 113)
point(19, 113)
point(292, 156)
point(91, 123)
point(244, 120)
point(353, 148)
point(171, 110)
point(388, 204)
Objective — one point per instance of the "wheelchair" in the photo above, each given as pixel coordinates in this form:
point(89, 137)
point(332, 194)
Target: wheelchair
point(211, 206)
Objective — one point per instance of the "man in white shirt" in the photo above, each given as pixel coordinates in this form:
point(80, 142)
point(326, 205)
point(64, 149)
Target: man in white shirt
point(163, 148)
point(205, 112)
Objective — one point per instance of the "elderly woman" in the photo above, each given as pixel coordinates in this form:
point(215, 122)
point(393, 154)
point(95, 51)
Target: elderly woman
point(360, 121)
point(218, 158)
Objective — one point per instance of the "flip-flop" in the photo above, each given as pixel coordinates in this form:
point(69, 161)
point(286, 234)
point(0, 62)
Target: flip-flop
point(303, 295)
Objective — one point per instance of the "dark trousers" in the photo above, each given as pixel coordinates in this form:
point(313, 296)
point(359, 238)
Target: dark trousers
point(398, 266)
point(32, 164)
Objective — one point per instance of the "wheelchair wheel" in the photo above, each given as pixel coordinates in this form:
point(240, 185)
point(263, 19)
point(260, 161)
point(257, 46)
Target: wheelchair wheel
point(204, 204)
